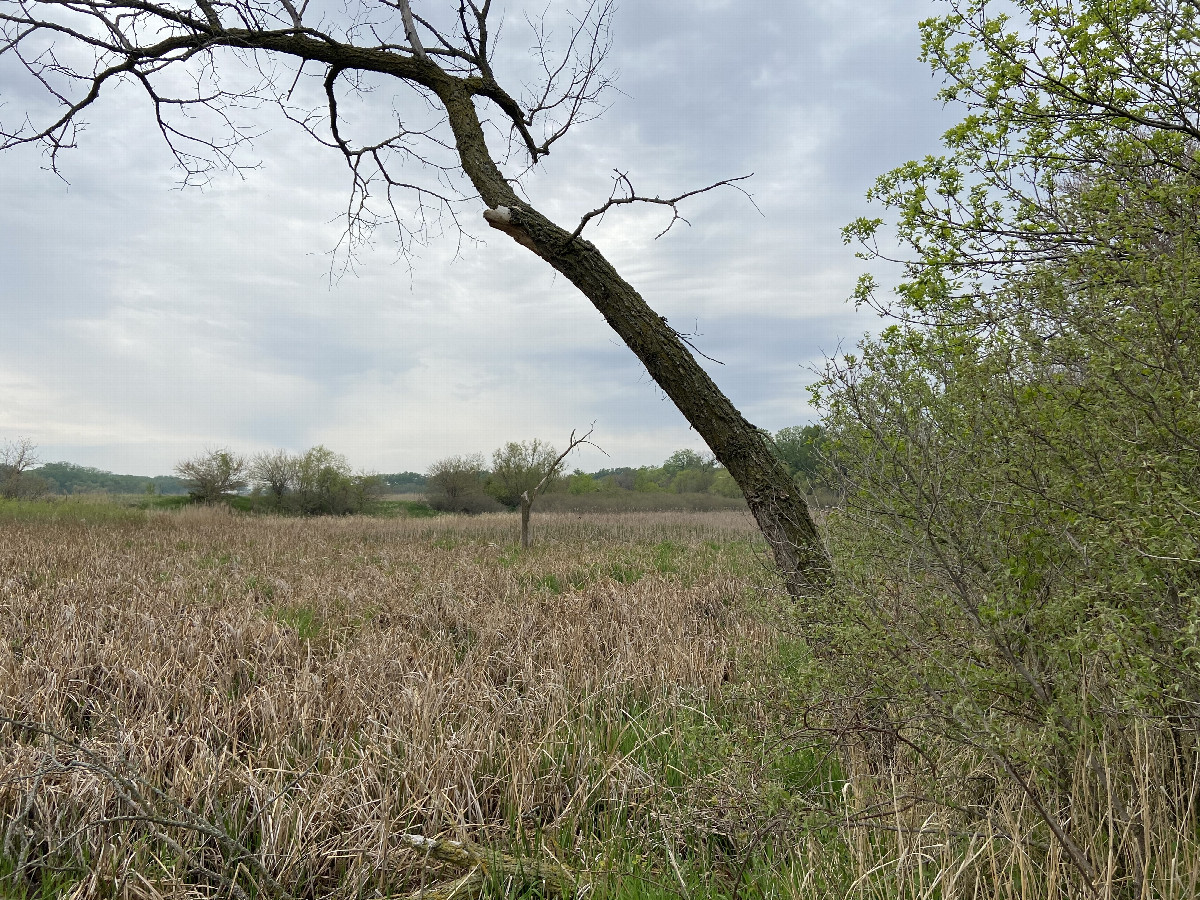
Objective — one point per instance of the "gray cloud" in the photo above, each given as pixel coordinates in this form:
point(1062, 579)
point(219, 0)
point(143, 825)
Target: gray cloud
point(141, 323)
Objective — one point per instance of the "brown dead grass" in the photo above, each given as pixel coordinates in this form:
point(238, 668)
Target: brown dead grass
point(319, 687)
point(246, 704)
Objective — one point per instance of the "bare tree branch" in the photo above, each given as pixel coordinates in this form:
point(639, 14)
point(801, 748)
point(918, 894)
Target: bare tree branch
point(622, 182)
point(572, 443)
point(411, 30)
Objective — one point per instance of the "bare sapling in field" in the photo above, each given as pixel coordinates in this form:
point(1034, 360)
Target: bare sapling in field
point(528, 495)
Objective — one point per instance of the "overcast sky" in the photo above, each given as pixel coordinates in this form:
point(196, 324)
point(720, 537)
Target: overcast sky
point(142, 324)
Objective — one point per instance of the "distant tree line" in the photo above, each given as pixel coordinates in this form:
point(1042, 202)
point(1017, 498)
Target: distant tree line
point(69, 478)
point(470, 483)
point(404, 482)
point(320, 481)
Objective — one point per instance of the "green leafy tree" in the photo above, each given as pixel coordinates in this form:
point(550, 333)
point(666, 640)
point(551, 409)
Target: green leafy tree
point(723, 485)
point(1018, 550)
point(801, 449)
point(316, 482)
point(324, 484)
point(693, 481)
point(650, 480)
point(213, 475)
point(582, 483)
point(681, 460)
point(518, 467)
point(688, 472)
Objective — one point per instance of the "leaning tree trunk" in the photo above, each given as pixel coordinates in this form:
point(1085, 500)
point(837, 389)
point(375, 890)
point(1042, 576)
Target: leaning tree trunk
point(776, 503)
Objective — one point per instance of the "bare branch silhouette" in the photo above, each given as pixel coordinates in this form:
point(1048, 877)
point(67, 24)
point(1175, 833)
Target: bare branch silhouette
point(622, 182)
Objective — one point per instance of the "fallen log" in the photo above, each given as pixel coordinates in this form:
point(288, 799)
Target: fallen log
point(550, 876)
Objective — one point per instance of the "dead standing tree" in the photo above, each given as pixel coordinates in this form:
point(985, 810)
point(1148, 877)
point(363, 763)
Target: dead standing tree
point(528, 496)
point(74, 50)
point(16, 458)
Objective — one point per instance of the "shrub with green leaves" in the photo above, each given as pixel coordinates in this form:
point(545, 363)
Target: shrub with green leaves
point(1019, 551)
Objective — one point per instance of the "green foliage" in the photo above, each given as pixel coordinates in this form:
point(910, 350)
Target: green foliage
point(413, 509)
point(23, 485)
point(683, 472)
point(518, 468)
point(682, 460)
point(325, 484)
point(802, 449)
point(316, 482)
point(155, 501)
point(650, 480)
point(694, 480)
point(582, 483)
point(212, 475)
point(68, 478)
point(303, 620)
point(1019, 556)
point(614, 501)
point(723, 485)
point(87, 511)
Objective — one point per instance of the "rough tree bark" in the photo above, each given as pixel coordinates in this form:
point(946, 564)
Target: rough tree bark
point(141, 38)
point(777, 504)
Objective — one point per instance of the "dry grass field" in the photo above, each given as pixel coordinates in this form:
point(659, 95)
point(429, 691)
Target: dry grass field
point(315, 689)
point(204, 704)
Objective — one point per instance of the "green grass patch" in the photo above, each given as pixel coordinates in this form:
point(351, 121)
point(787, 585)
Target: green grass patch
point(399, 509)
point(260, 586)
point(90, 511)
point(171, 502)
point(302, 619)
point(667, 556)
point(37, 882)
point(624, 572)
point(551, 583)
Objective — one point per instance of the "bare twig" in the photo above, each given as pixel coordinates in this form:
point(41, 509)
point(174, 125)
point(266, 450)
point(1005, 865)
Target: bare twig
point(622, 182)
point(572, 443)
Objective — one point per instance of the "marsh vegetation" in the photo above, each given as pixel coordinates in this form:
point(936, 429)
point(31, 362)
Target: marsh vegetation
point(200, 703)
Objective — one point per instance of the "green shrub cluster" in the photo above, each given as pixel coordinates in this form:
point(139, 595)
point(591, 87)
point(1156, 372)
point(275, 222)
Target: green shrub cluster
point(1019, 547)
point(316, 482)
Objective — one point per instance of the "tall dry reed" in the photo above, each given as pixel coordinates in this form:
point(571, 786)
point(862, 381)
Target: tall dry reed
point(317, 687)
